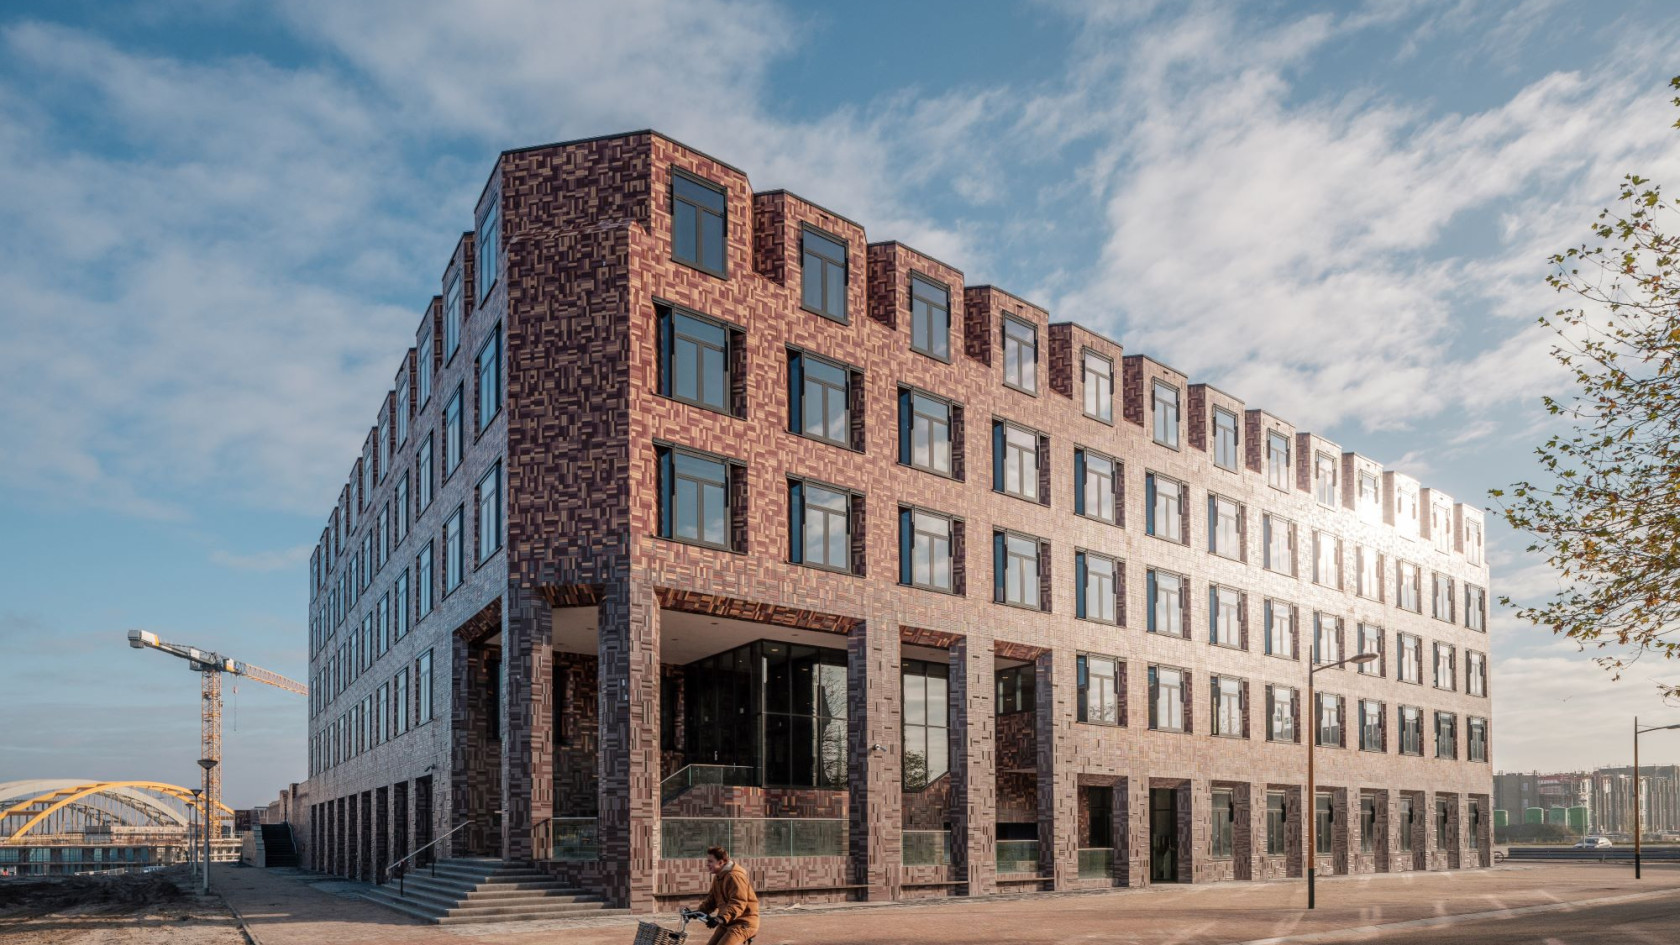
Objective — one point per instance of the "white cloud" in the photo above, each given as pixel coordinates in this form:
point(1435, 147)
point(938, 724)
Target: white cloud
point(278, 559)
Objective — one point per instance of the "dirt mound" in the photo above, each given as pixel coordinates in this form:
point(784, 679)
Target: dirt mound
point(124, 894)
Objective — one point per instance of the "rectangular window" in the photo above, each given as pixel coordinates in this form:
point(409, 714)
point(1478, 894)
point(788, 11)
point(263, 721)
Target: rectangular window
point(490, 513)
point(1406, 577)
point(927, 733)
point(452, 316)
point(454, 544)
point(488, 244)
point(1371, 641)
point(1327, 559)
point(926, 542)
point(1325, 823)
point(1229, 712)
point(1406, 510)
point(1020, 355)
point(819, 400)
point(1221, 844)
point(1099, 387)
point(399, 591)
point(1095, 495)
point(1280, 714)
point(1370, 493)
point(1327, 639)
point(1277, 460)
point(1475, 608)
point(694, 498)
point(1165, 415)
point(1329, 720)
point(1473, 542)
point(1017, 569)
point(1367, 823)
point(453, 442)
point(1324, 479)
point(382, 470)
point(490, 379)
point(698, 223)
point(1166, 699)
point(1369, 584)
point(930, 318)
point(1443, 605)
point(1406, 818)
point(1016, 461)
point(424, 466)
point(1165, 502)
point(924, 432)
point(1411, 730)
point(1096, 576)
point(1280, 544)
point(401, 415)
point(399, 702)
point(824, 289)
point(1225, 616)
point(382, 715)
point(1017, 690)
point(1280, 629)
point(1446, 676)
point(423, 687)
point(1099, 690)
point(1443, 824)
point(1475, 673)
point(1225, 454)
point(1440, 527)
point(821, 533)
point(1446, 735)
point(423, 368)
point(1478, 739)
point(1166, 603)
point(1371, 725)
point(1225, 527)
point(1277, 824)
point(696, 355)
point(1411, 658)
point(382, 625)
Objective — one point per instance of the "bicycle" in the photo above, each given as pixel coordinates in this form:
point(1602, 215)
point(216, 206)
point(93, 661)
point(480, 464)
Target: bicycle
point(650, 933)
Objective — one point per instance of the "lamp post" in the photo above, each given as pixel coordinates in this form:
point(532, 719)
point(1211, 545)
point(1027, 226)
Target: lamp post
point(1311, 813)
point(1638, 796)
point(192, 834)
point(204, 877)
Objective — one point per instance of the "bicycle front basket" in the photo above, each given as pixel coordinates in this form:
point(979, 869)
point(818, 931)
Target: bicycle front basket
point(648, 933)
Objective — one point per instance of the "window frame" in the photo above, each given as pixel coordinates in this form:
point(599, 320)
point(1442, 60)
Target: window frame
point(1082, 457)
point(1216, 609)
point(1412, 666)
point(1323, 701)
point(454, 432)
point(488, 250)
point(799, 503)
point(826, 264)
point(1158, 407)
point(666, 455)
point(1180, 705)
point(1153, 516)
point(700, 213)
point(908, 514)
point(799, 384)
point(1235, 444)
point(1273, 733)
point(918, 279)
point(1270, 609)
point(1153, 600)
point(490, 513)
point(669, 319)
point(1013, 344)
point(909, 413)
point(1380, 742)
point(1216, 694)
point(1005, 451)
point(493, 347)
point(1082, 577)
point(1321, 461)
point(1105, 396)
point(1004, 540)
point(1114, 714)
point(1239, 527)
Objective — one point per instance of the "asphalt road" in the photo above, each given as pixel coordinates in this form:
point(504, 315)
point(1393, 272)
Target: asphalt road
point(1653, 921)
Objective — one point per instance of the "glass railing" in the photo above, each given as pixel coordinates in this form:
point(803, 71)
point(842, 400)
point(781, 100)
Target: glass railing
point(699, 775)
point(1096, 863)
point(1017, 856)
point(688, 837)
point(574, 838)
point(927, 848)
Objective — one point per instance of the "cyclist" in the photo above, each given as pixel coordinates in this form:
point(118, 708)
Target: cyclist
point(732, 906)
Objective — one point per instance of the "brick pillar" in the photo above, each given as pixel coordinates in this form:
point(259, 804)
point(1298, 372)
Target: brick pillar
point(628, 670)
point(1121, 839)
point(974, 764)
point(1132, 797)
point(1295, 807)
point(1058, 786)
point(1344, 831)
point(366, 874)
point(1455, 832)
point(527, 725)
point(1194, 817)
point(873, 695)
point(1245, 842)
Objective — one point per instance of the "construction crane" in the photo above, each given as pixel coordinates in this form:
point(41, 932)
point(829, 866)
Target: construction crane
point(211, 666)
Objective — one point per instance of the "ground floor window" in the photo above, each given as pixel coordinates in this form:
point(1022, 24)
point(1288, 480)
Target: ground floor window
point(1406, 816)
point(1324, 822)
point(927, 747)
point(1099, 808)
point(1443, 831)
point(1224, 817)
point(1277, 821)
point(777, 708)
point(1367, 824)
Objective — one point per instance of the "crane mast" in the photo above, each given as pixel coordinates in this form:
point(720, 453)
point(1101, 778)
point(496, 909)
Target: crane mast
point(210, 667)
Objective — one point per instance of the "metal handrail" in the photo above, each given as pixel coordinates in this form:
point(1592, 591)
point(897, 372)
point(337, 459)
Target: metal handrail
point(402, 886)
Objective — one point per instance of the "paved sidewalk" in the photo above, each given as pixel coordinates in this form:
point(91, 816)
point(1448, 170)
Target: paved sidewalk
point(287, 907)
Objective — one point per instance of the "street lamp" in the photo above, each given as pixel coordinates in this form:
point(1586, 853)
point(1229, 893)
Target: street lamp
point(1311, 813)
point(192, 834)
point(1638, 797)
point(206, 764)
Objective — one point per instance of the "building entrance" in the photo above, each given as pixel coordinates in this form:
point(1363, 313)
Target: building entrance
point(1163, 835)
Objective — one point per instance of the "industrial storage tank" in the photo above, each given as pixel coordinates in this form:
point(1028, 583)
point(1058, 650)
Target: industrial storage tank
point(1578, 819)
point(1534, 815)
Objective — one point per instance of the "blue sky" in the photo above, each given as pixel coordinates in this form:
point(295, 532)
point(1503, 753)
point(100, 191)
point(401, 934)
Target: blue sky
point(219, 223)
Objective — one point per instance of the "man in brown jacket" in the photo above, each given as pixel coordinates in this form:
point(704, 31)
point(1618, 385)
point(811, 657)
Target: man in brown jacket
point(732, 902)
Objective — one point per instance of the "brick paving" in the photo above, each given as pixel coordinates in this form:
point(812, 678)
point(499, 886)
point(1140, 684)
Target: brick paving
point(285, 907)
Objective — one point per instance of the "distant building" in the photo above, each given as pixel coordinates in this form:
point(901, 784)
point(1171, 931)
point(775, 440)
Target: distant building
point(1602, 797)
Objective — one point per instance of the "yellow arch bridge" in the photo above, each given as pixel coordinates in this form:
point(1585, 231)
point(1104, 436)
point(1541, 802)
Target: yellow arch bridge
point(42, 811)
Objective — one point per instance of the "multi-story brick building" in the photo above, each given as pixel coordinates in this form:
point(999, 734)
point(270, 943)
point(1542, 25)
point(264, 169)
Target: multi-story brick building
point(677, 527)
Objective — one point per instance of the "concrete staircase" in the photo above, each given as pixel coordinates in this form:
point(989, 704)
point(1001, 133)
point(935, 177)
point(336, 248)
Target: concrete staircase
point(475, 889)
point(274, 845)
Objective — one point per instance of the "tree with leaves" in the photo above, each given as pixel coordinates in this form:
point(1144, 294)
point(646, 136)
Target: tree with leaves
point(1607, 515)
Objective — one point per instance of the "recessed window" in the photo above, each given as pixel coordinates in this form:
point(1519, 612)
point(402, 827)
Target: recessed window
point(490, 513)
point(824, 290)
point(927, 734)
point(1017, 560)
point(1165, 415)
point(426, 482)
point(1327, 639)
point(1225, 616)
point(1369, 585)
point(1099, 387)
point(1166, 699)
point(1473, 542)
point(1324, 479)
point(1406, 577)
point(1477, 740)
point(1367, 823)
point(1440, 526)
point(1325, 820)
point(1095, 493)
point(1280, 629)
point(1446, 674)
point(1330, 730)
point(696, 356)
point(399, 591)
point(488, 244)
point(1411, 730)
point(1277, 824)
point(1277, 460)
point(930, 318)
point(452, 317)
point(401, 415)
point(1229, 710)
point(694, 498)
point(1327, 559)
point(1222, 841)
point(1017, 690)
point(820, 532)
point(819, 399)
point(1371, 715)
point(489, 364)
point(1475, 673)
point(926, 541)
point(454, 550)
point(1225, 454)
point(1371, 641)
point(1280, 544)
point(1020, 355)
point(1406, 510)
point(925, 438)
point(1443, 604)
point(1446, 735)
point(424, 585)
point(1225, 527)
point(1165, 502)
point(423, 368)
point(1015, 463)
point(1370, 492)
point(1411, 658)
point(1280, 714)
point(1475, 608)
point(1098, 689)
point(1166, 603)
point(698, 218)
point(1097, 578)
point(453, 437)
